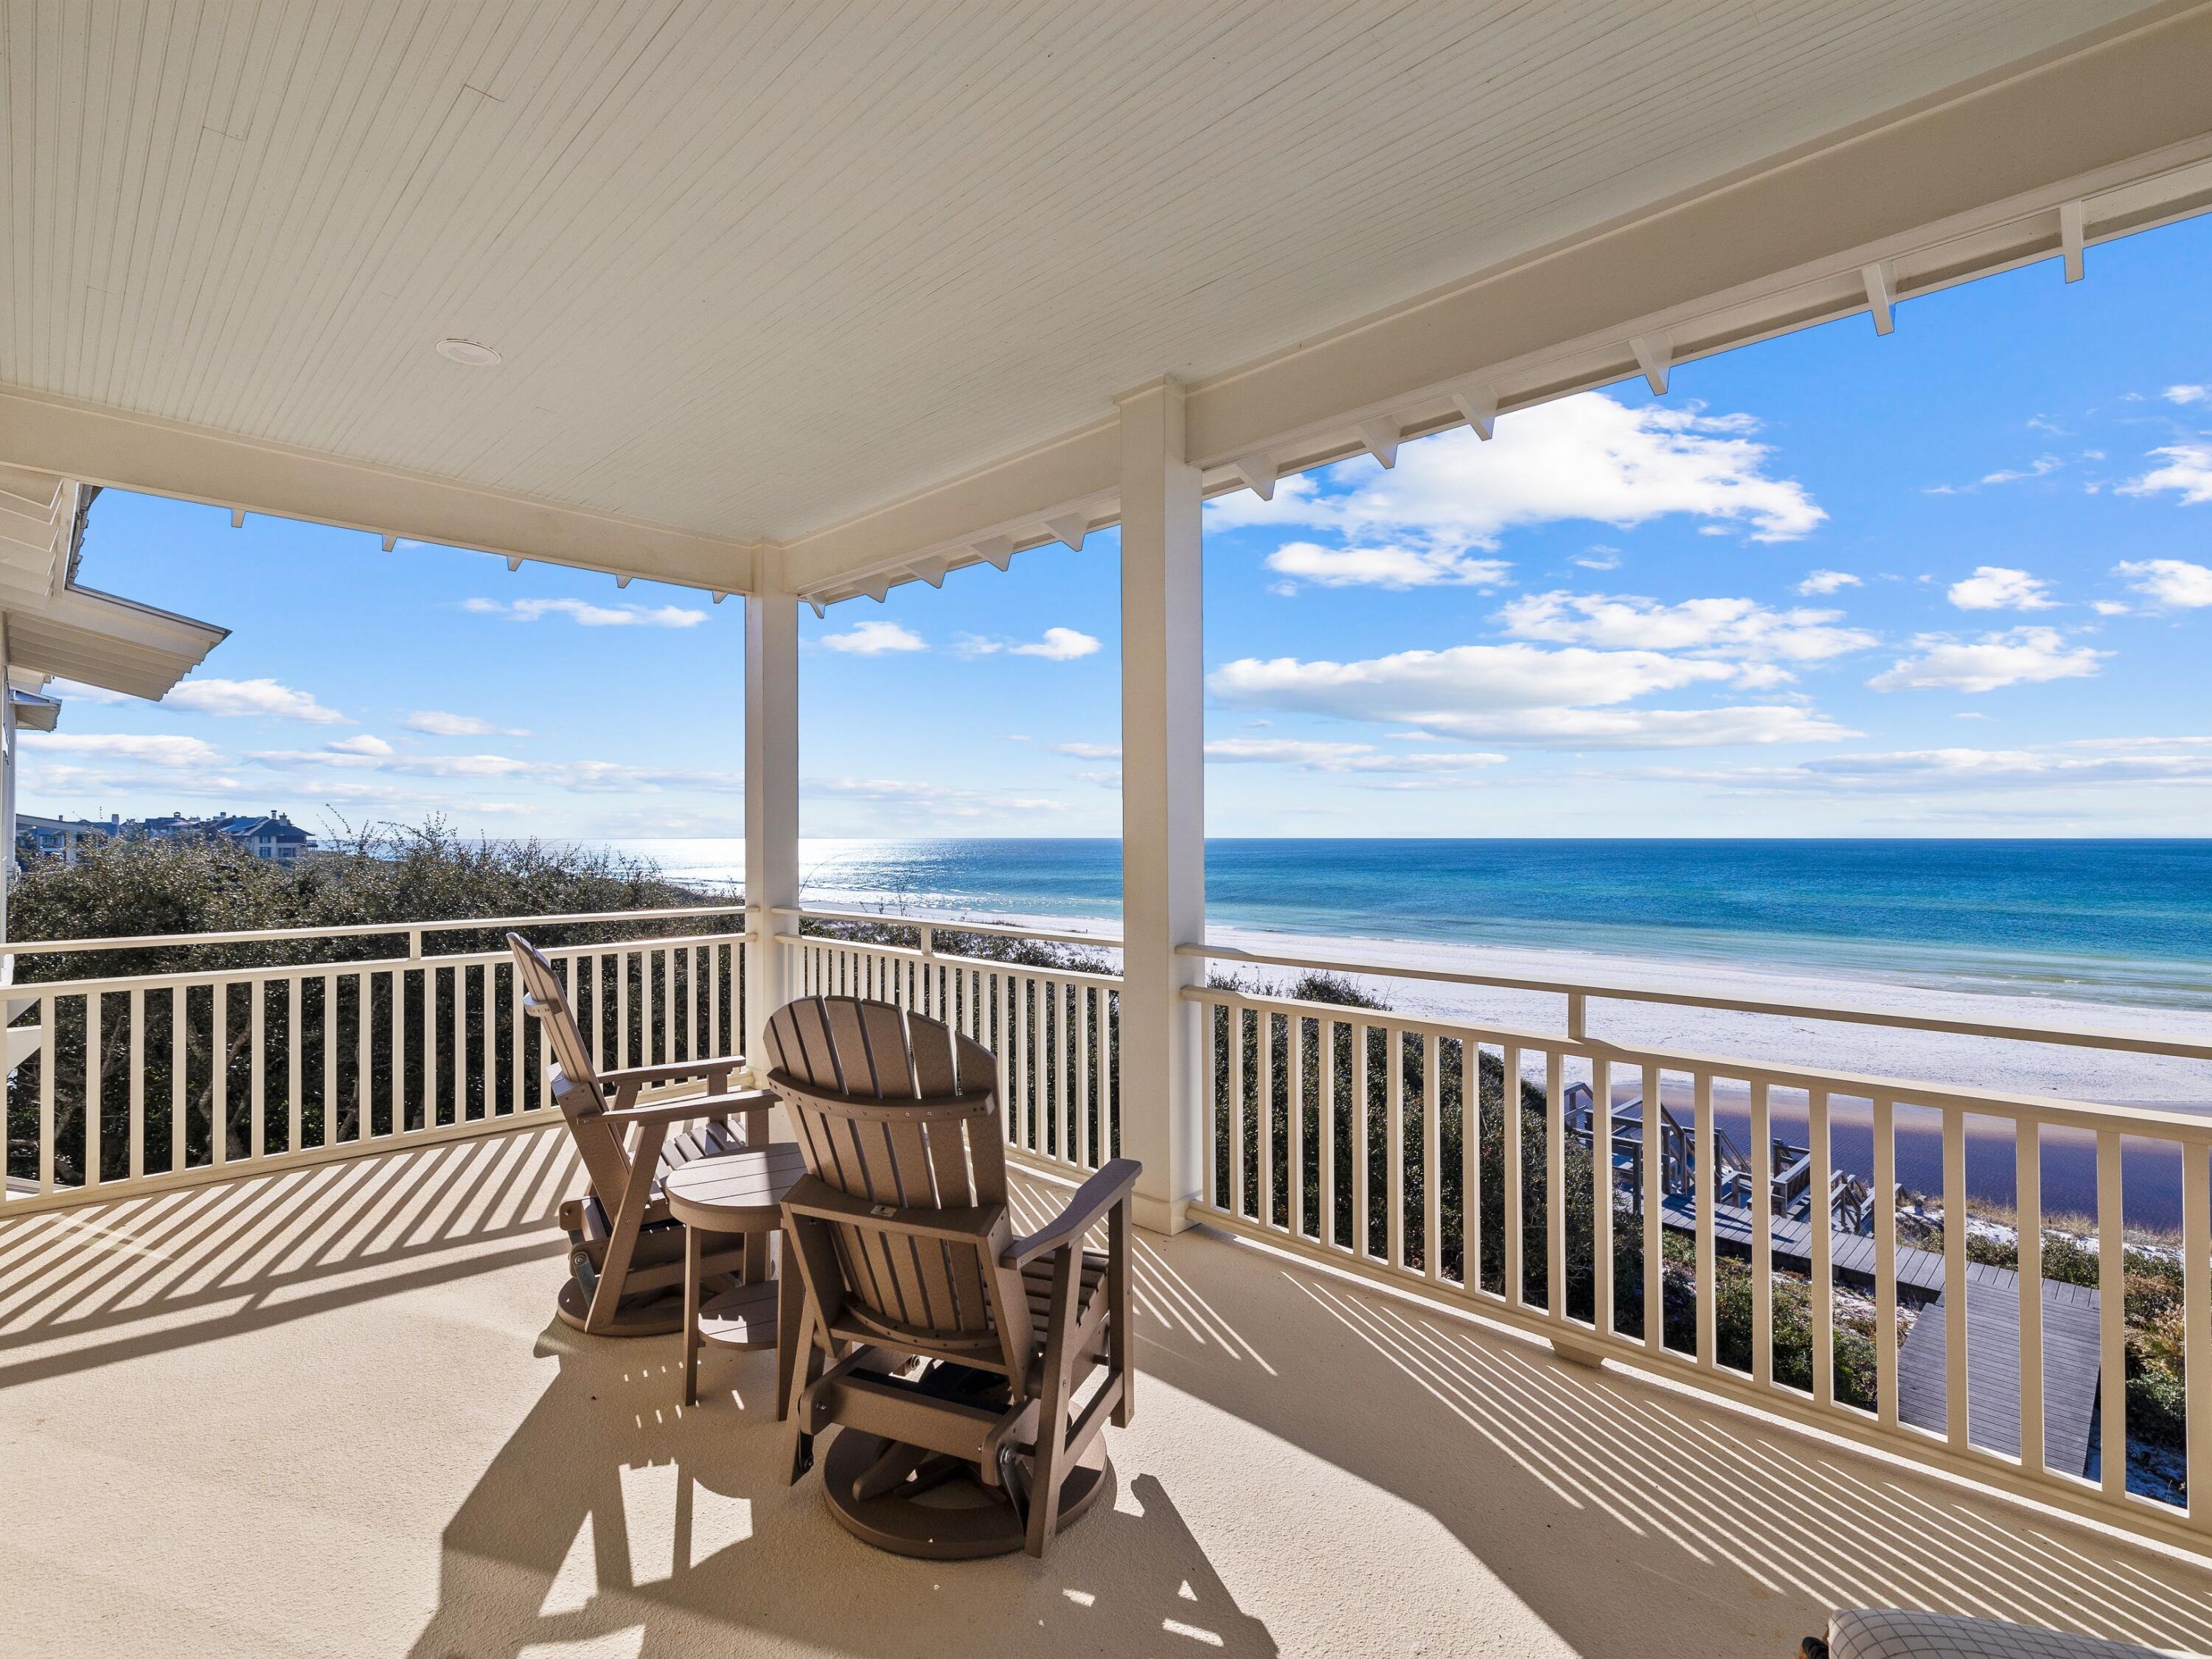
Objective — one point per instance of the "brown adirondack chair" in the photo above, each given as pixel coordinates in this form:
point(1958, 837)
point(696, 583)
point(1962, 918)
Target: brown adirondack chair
point(964, 1430)
point(626, 1263)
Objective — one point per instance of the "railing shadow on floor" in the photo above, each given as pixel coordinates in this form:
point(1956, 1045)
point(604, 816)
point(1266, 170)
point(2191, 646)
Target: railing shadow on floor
point(108, 1281)
point(1632, 1516)
point(613, 1521)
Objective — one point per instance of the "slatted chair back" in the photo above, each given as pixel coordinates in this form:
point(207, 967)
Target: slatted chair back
point(575, 1080)
point(900, 1111)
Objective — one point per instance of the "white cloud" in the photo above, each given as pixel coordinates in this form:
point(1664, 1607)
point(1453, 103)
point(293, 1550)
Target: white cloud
point(1721, 628)
point(2187, 471)
point(2174, 582)
point(2024, 655)
point(586, 615)
point(2102, 762)
point(1519, 694)
point(243, 699)
point(1058, 645)
point(1581, 458)
point(147, 750)
point(1341, 756)
point(363, 744)
point(2110, 607)
point(932, 799)
point(439, 724)
point(1828, 581)
point(1398, 568)
point(1998, 587)
point(1600, 557)
point(873, 639)
point(427, 766)
point(1091, 750)
point(2035, 469)
point(614, 777)
point(2187, 394)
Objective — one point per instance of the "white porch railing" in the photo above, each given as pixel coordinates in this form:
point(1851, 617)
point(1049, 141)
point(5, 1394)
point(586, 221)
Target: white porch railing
point(152, 1080)
point(1354, 1136)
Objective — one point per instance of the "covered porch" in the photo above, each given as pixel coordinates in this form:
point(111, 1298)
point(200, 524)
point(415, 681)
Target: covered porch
point(277, 1368)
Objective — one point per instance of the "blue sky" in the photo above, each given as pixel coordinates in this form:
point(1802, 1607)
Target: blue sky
point(1953, 582)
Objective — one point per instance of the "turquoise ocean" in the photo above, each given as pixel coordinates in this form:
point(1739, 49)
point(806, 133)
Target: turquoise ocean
point(2127, 921)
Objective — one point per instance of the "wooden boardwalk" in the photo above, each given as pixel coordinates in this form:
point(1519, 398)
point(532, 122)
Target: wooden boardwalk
point(2071, 1353)
point(2070, 1360)
point(1850, 1255)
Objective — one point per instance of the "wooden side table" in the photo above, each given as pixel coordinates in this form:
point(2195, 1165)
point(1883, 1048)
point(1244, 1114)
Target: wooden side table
point(742, 1193)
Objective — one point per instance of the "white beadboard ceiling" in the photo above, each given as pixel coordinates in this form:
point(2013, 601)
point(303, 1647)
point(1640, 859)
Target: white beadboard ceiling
point(754, 265)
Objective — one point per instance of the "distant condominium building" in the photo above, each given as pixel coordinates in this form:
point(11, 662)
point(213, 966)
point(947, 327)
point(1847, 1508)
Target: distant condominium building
point(271, 836)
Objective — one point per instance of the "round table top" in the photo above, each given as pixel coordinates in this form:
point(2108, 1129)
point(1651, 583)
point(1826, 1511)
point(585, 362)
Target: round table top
point(735, 1192)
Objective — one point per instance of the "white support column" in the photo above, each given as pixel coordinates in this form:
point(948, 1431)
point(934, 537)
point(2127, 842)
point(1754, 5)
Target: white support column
point(771, 802)
point(1162, 805)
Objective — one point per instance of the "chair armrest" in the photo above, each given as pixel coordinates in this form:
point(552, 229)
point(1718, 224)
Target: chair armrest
point(673, 1072)
point(691, 1106)
point(1092, 1200)
point(814, 1197)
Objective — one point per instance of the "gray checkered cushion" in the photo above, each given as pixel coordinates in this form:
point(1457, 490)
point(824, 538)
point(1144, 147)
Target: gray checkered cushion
point(1894, 1633)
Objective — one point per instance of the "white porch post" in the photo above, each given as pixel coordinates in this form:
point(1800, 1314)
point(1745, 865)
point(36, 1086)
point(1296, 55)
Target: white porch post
point(771, 804)
point(1162, 805)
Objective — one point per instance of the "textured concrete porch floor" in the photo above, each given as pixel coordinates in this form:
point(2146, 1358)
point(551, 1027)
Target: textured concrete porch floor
point(328, 1412)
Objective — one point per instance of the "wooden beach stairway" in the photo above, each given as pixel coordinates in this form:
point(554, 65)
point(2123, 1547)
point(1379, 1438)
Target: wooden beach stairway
point(2071, 1353)
point(2069, 1367)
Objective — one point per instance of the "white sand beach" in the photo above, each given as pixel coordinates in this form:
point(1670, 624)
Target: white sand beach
point(2022, 1067)
point(2032, 1068)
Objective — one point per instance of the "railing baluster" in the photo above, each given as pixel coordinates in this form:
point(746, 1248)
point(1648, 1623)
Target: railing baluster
point(1955, 1277)
point(1706, 1182)
point(1555, 1183)
point(1394, 1153)
point(1516, 1175)
point(1885, 1259)
point(624, 1054)
point(219, 1081)
point(333, 1125)
point(1470, 1158)
point(1432, 1095)
point(1654, 1215)
point(2027, 1212)
point(1601, 1195)
point(1820, 1222)
point(1263, 1102)
point(1236, 1107)
point(398, 1018)
point(1363, 1239)
point(1085, 1004)
point(258, 1039)
point(180, 1052)
point(516, 1042)
point(49, 1059)
point(135, 1077)
point(2196, 1328)
point(2111, 1315)
point(1294, 1062)
point(94, 1010)
point(362, 1073)
point(1326, 1035)
point(1762, 1237)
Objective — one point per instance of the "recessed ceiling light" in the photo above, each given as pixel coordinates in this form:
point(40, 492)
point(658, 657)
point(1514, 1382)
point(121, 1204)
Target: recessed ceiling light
point(468, 352)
